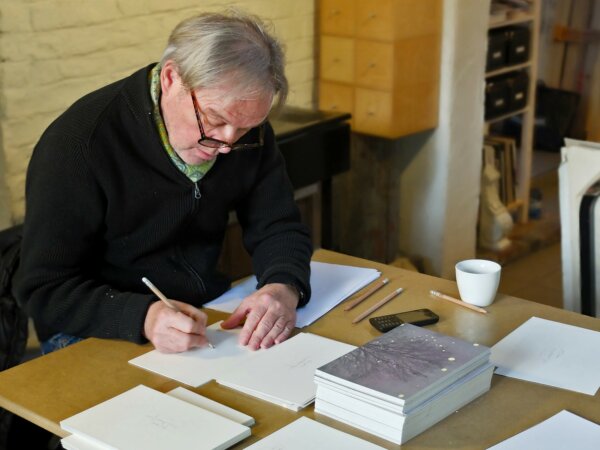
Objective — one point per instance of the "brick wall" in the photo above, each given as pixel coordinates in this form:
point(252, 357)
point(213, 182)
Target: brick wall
point(54, 51)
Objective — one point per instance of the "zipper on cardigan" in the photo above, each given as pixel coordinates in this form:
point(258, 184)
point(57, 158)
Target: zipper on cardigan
point(195, 275)
point(197, 193)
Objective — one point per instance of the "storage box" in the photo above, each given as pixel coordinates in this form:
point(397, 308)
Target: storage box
point(496, 52)
point(518, 88)
point(518, 44)
point(496, 97)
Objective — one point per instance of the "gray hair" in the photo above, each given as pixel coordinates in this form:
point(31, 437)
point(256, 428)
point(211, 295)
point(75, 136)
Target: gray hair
point(212, 50)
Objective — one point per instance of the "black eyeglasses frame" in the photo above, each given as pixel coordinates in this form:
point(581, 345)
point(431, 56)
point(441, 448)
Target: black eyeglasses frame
point(218, 144)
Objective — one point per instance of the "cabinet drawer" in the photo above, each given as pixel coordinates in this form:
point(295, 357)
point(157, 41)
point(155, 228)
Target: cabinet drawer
point(337, 17)
point(337, 59)
point(417, 59)
point(374, 19)
point(416, 108)
point(373, 64)
point(413, 18)
point(388, 20)
point(336, 97)
point(372, 111)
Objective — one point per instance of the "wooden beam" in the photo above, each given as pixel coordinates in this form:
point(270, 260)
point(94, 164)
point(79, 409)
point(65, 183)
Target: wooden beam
point(562, 33)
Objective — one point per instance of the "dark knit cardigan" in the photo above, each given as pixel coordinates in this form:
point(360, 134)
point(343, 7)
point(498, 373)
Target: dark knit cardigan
point(106, 206)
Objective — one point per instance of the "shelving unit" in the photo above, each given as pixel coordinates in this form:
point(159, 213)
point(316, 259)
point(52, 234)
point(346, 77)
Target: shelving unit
point(525, 143)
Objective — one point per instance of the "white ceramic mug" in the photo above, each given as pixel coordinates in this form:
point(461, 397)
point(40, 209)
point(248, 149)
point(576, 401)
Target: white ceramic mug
point(478, 281)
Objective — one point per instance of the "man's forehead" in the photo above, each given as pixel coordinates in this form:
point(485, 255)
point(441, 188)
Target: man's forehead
point(250, 110)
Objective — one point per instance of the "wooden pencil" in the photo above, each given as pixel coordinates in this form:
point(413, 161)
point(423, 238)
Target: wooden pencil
point(457, 301)
point(367, 294)
point(378, 305)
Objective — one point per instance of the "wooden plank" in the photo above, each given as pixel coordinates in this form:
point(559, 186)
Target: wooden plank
point(554, 12)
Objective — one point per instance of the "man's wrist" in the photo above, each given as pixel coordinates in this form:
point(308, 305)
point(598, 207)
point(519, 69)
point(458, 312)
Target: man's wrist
point(299, 292)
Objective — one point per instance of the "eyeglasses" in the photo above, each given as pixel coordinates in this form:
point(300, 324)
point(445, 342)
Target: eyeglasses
point(215, 143)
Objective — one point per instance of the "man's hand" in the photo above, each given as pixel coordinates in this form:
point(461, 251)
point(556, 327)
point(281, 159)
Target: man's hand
point(171, 331)
point(270, 315)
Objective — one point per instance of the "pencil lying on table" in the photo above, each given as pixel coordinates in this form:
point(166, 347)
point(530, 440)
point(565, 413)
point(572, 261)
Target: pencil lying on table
point(367, 294)
point(165, 300)
point(378, 305)
point(457, 301)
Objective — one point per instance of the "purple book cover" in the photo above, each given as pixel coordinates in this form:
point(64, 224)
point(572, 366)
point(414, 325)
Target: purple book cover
point(405, 361)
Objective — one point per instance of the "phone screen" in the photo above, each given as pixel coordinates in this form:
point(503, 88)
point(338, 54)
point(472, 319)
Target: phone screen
point(413, 316)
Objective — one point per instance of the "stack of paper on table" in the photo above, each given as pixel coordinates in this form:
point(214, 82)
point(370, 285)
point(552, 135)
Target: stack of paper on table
point(282, 374)
point(330, 284)
point(551, 353)
point(144, 418)
point(305, 433)
point(400, 384)
point(562, 431)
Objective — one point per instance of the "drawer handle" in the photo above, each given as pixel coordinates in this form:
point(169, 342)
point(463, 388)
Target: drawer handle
point(370, 113)
point(369, 67)
point(335, 12)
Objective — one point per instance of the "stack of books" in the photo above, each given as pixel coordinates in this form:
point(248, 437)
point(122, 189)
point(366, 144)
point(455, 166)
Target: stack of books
point(398, 385)
point(142, 418)
point(501, 152)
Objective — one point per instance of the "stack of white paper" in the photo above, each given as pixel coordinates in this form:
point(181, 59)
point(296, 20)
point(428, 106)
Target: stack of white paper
point(305, 433)
point(148, 419)
point(330, 284)
point(282, 374)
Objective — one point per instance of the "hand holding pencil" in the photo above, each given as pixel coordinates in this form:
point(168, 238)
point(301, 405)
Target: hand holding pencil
point(173, 333)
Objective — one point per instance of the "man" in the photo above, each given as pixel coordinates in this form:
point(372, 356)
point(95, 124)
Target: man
point(137, 179)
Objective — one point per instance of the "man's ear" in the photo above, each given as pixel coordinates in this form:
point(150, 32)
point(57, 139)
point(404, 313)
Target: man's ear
point(169, 77)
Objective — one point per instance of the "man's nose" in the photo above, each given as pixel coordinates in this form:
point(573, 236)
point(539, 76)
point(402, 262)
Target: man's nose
point(228, 134)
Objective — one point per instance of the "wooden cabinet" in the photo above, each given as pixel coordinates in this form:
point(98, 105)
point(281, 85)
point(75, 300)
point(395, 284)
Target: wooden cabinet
point(379, 60)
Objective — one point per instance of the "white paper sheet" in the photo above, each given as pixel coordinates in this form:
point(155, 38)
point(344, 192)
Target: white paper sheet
point(201, 365)
point(210, 405)
point(562, 431)
point(74, 442)
point(306, 433)
point(551, 353)
point(330, 284)
point(144, 418)
point(284, 374)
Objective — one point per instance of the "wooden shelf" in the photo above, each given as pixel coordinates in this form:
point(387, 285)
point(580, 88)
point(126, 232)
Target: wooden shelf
point(516, 20)
point(507, 115)
point(508, 69)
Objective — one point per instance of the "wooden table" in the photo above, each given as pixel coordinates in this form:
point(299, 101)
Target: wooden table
point(50, 388)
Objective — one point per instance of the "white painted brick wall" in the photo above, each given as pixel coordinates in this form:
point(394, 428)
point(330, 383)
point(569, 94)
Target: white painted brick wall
point(54, 51)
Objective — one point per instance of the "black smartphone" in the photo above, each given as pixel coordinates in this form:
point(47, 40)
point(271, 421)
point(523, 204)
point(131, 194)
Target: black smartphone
point(418, 317)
